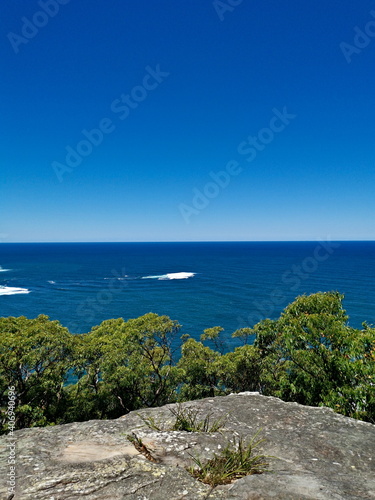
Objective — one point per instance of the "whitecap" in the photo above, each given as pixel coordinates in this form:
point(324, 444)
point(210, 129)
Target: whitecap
point(179, 276)
point(11, 290)
point(3, 270)
point(171, 276)
point(52, 282)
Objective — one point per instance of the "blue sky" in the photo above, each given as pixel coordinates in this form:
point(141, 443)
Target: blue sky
point(181, 89)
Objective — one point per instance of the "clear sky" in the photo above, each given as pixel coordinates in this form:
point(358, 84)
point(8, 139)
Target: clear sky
point(182, 91)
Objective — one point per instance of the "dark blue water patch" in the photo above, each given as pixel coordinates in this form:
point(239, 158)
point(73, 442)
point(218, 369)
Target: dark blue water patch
point(235, 283)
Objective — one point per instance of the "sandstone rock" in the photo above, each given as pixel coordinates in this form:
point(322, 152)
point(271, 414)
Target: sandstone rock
point(321, 455)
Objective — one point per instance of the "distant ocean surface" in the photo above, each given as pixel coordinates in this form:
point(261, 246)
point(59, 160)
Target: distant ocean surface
point(233, 284)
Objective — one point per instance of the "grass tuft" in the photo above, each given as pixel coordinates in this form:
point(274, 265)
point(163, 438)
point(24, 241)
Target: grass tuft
point(150, 422)
point(235, 461)
point(187, 419)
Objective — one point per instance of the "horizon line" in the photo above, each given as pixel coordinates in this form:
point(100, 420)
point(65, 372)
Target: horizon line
point(183, 241)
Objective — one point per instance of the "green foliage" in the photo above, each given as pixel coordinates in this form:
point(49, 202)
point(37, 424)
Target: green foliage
point(244, 334)
point(35, 355)
point(213, 335)
point(127, 365)
point(312, 356)
point(235, 461)
point(199, 366)
point(119, 366)
point(240, 370)
point(309, 355)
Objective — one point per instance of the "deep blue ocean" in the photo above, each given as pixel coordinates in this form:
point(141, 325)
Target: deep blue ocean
point(232, 284)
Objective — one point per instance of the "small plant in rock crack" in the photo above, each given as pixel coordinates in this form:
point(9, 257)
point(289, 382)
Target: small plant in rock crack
point(150, 422)
point(134, 439)
point(187, 419)
point(141, 447)
point(235, 461)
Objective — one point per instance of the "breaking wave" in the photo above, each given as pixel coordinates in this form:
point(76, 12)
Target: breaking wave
point(171, 276)
point(11, 290)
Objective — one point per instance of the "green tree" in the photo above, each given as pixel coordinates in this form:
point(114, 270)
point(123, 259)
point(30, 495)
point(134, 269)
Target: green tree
point(123, 366)
point(200, 370)
point(35, 355)
point(309, 355)
point(240, 370)
point(214, 335)
point(312, 356)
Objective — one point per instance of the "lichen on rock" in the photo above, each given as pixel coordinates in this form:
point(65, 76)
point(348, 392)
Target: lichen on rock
point(320, 455)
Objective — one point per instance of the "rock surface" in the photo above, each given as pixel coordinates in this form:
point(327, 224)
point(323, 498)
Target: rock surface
point(320, 455)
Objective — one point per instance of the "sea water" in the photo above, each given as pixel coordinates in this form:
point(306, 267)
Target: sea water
point(228, 284)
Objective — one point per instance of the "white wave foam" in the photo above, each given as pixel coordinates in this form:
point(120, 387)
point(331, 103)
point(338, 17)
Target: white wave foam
point(3, 270)
point(171, 276)
point(179, 276)
point(11, 290)
point(52, 282)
